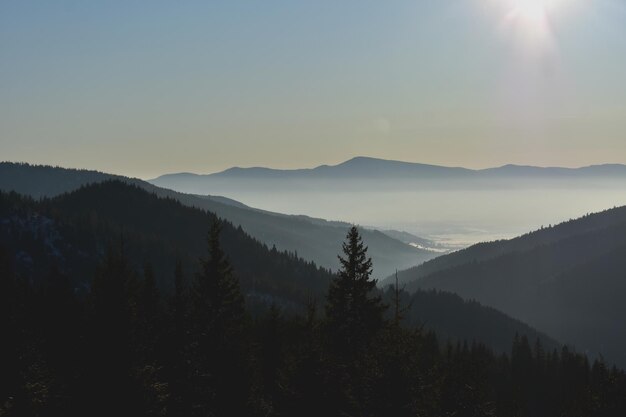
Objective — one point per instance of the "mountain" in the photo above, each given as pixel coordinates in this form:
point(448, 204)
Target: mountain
point(313, 239)
point(71, 233)
point(567, 280)
point(365, 168)
point(453, 318)
point(489, 250)
point(456, 207)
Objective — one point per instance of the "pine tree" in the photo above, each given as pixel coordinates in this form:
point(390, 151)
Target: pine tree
point(354, 312)
point(177, 345)
point(354, 317)
point(10, 346)
point(114, 310)
point(178, 302)
point(217, 301)
point(216, 340)
point(150, 292)
point(148, 314)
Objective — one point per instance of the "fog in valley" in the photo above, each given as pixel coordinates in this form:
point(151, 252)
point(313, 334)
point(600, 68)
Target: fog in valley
point(453, 213)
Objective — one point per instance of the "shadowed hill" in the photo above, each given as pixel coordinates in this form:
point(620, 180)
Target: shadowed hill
point(488, 250)
point(72, 231)
point(313, 239)
point(568, 281)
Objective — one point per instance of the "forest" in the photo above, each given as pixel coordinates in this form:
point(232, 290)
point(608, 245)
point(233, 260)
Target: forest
point(126, 346)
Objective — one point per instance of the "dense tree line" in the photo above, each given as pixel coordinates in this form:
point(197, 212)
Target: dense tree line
point(127, 348)
point(70, 233)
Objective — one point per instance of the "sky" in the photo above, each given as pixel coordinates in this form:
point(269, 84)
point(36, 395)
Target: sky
point(143, 88)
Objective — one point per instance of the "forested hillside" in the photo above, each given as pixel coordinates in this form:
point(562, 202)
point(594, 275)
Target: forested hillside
point(126, 348)
point(567, 280)
point(489, 250)
point(71, 233)
point(74, 230)
point(313, 239)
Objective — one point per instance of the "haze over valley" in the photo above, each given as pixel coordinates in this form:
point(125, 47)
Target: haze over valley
point(453, 206)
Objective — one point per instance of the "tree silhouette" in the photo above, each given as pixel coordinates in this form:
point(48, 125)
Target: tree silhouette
point(217, 302)
point(354, 311)
point(354, 317)
point(217, 349)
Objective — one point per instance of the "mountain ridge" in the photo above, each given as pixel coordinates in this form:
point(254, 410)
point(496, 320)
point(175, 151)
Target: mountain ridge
point(361, 162)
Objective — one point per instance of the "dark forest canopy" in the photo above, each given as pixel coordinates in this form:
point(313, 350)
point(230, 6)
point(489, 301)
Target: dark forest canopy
point(127, 348)
point(74, 230)
point(72, 233)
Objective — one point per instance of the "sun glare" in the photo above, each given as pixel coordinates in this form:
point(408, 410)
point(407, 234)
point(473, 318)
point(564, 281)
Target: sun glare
point(530, 19)
point(533, 11)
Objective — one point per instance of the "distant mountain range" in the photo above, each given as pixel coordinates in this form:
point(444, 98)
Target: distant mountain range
point(313, 239)
point(567, 280)
point(364, 168)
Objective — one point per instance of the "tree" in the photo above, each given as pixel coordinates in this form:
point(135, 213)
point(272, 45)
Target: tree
point(178, 302)
point(354, 311)
point(216, 342)
point(149, 314)
point(354, 317)
point(114, 298)
point(217, 301)
point(177, 346)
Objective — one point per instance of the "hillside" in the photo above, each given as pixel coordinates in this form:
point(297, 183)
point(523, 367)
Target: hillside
point(567, 280)
point(488, 250)
point(72, 232)
point(313, 239)
point(455, 319)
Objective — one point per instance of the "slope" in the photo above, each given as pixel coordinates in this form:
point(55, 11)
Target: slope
point(72, 232)
point(567, 281)
point(489, 250)
point(313, 239)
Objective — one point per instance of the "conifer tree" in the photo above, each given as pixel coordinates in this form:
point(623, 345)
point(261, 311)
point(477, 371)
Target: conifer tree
point(217, 346)
point(114, 304)
point(217, 302)
point(177, 344)
point(178, 302)
point(354, 312)
point(150, 292)
point(9, 348)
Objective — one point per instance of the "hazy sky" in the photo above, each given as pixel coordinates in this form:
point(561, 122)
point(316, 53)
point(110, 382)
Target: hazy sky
point(147, 87)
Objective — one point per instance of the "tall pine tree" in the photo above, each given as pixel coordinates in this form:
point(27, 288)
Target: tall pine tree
point(217, 301)
point(217, 346)
point(354, 311)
